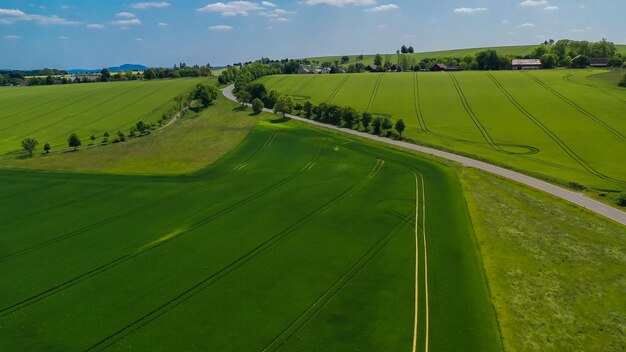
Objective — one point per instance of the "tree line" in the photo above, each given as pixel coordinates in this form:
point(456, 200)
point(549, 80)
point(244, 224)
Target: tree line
point(342, 116)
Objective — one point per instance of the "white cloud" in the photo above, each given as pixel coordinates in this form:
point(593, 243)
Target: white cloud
point(526, 25)
point(65, 7)
point(470, 10)
point(95, 26)
point(383, 8)
point(232, 8)
point(162, 24)
point(126, 15)
point(147, 5)
point(133, 22)
point(62, 37)
point(10, 16)
point(531, 3)
point(341, 3)
point(279, 19)
point(139, 39)
point(551, 8)
point(12, 37)
point(505, 21)
point(382, 26)
point(268, 4)
point(582, 7)
point(221, 27)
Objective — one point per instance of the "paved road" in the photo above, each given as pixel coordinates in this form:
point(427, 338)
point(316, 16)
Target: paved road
point(574, 197)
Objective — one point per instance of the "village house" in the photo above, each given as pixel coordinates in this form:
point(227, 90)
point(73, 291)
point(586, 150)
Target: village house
point(526, 64)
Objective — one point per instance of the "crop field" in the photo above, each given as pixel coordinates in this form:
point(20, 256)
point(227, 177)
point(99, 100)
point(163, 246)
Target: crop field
point(563, 125)
point(51, 113)
point(298, 240)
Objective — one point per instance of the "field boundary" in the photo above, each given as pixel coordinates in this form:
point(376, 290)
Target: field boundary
point(559, 192)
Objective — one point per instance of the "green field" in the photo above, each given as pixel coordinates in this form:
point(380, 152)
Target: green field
point(51, 113)
point(298, 239)
point(561, 125)
point(520, 50)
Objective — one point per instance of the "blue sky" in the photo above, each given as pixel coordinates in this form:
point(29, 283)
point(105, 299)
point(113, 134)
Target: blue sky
point(98, 33)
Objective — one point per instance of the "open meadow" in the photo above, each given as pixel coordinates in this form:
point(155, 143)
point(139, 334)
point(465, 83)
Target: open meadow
point(561, 125)
point(51, 113)
point(296, 240)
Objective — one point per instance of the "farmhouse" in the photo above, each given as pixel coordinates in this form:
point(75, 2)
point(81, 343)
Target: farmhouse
point(371, 68)
point(599, 62)
point(439, 67)
point(526, 64)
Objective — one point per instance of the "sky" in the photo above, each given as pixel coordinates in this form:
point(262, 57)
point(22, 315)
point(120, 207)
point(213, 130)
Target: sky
point(90, 34)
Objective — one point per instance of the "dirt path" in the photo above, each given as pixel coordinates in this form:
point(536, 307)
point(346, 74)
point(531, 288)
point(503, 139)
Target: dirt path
point(571, 196)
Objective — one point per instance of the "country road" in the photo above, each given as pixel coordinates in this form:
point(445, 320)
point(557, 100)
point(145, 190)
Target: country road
point(571, 196)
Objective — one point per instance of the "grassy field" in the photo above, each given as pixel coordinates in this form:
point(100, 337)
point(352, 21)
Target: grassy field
point(51, 113)
point(545, 123)
point(556, 272)
point(297, 239)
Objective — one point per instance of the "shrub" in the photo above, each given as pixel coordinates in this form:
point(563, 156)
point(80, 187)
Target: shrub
point(577, 186)
point(623, 82)
point(621, 199)
point(257, 105)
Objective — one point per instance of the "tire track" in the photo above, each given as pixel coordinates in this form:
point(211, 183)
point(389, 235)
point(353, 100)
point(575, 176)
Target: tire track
point(374, 92)
point(333, 290)
point(477, 123)
point(200, 286)
point(334, 94)
point(578, 108)
point(62, 205)
point(551, 134)
point(418, 107)
point(54, 290)
point(131, 211)
point(306, 84)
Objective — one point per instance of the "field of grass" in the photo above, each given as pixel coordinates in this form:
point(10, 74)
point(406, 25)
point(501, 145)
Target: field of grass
point(187, 146)
point(544, 123)
point(297, 239)
point(519, 50)
point(51, 113)
point(556, 272)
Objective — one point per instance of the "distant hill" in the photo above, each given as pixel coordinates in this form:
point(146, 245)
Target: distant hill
point(122, 68)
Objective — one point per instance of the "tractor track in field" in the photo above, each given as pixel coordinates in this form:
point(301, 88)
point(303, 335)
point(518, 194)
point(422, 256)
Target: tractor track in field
point(425, 251)
point(481, 128)
point(131, 211)
point(333, 290)
point(33, 190)
point(80, 114)
point(374, 92)
point(416, 103)
point(567, 78)
point(73, 101)
point(306, 84)
point(551, 134)
point(579, 108)
point(334, 94)
point(62, 205)
point(125, 258)
point(213, 278)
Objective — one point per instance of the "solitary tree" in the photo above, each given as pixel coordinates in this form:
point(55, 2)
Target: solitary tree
point(205, 93)
point(400, 127)
point(410, 50)
point(105, 75)
point(377, 124)
point(283, 105)
point(378, 60)
point(404, 49)
point(257, 105)
point(387, 125)
point(47, 147)
point(93, 139)
point(74, 141)
point(106, 137)
point(29, 145)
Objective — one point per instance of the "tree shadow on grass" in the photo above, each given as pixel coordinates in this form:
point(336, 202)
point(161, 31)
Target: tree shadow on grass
point(281, 119)
point(240, 108)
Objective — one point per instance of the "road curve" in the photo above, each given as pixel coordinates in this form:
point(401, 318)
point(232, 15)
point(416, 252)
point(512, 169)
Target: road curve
point(571, 196)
